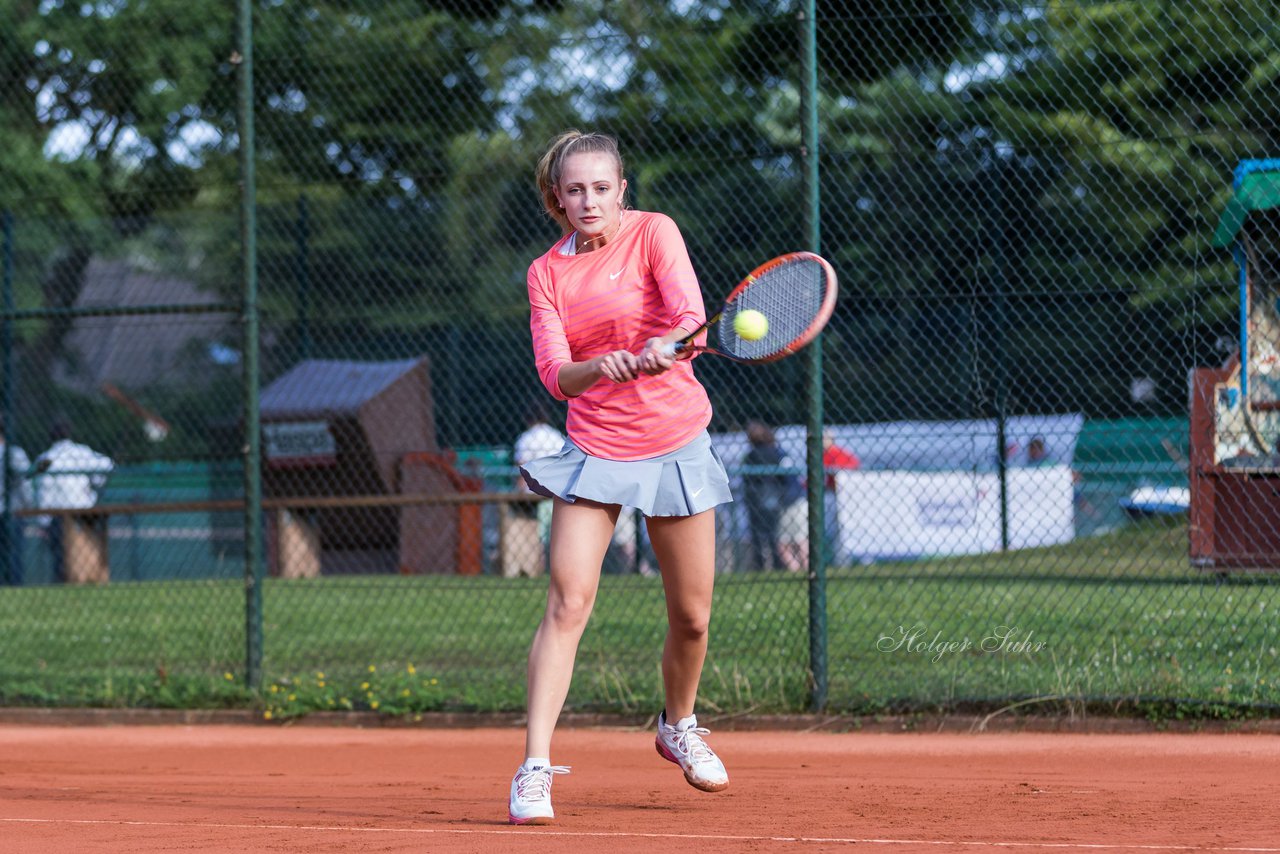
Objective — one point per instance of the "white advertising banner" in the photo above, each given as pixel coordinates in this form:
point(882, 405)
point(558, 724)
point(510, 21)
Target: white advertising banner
point(904, 514)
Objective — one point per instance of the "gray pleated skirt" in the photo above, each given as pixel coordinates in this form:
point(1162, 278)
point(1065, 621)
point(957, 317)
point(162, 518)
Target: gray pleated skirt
point(683, 482)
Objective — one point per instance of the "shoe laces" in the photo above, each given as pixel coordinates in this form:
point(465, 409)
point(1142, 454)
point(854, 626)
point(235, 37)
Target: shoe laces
point(535, 784)
point(689, 742)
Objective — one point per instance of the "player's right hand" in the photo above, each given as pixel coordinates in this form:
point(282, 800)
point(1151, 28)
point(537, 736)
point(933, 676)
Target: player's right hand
point(654, 358)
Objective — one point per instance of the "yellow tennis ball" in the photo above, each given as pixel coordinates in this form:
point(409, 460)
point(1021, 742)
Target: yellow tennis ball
point(750, 325)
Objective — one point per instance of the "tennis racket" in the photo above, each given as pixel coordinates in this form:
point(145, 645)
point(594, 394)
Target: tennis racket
point(795, 292)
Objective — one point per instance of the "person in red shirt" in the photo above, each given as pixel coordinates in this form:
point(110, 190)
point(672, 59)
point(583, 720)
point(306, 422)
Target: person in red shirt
point(835, 458)
point(604, 301)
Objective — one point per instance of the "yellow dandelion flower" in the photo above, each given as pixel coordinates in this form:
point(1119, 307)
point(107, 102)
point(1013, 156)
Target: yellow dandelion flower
point(373, 668)
point(404, 693)
point(364, 686)
point(267, 715)
point(320, 684)
point(228, 677)
point(435, 681)
point(275, 689)
point(293, 697)
point(411, 669)
point(374, 705)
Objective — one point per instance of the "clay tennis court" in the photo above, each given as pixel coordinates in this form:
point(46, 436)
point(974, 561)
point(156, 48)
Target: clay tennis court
point(313, 788)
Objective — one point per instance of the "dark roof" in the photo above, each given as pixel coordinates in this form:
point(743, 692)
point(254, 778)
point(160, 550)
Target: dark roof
point(318, 386)
point(134, 351)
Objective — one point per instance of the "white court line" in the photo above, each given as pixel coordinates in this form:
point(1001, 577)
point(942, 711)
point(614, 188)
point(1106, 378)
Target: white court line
point(533, 832)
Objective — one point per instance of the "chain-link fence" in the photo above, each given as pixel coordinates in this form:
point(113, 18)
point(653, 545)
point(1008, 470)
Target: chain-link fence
point(1020, 199)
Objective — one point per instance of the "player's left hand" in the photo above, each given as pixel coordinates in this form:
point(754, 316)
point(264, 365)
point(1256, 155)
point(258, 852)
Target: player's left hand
point(654, 359)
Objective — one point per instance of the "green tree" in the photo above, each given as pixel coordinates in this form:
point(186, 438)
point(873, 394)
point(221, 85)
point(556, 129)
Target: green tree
point(1031, 212)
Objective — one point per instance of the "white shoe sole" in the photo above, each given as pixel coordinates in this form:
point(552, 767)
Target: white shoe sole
point(703, 785)
point(533, 819)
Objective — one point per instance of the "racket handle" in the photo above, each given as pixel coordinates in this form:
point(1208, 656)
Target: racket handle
point(671, 348)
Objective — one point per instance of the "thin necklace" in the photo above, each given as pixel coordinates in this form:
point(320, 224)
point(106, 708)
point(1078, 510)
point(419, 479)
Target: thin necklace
point(579, 244)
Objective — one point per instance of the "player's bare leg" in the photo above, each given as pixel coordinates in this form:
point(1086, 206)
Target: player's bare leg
point(685, 548)
point(580, 535)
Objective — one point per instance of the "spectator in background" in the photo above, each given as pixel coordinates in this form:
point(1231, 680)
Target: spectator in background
point(765, 494)
point(793, 533)
point(629, 538)
point(834, 459)
point(526, 524)
point(1037, 453)
point(70, 476)
point(11, 539)
point(539, 439)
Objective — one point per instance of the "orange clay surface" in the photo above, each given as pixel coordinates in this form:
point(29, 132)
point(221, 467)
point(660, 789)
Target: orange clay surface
point(232, 788)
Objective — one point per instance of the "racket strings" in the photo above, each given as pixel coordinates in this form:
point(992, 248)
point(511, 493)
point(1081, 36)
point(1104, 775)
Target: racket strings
point(790, 296)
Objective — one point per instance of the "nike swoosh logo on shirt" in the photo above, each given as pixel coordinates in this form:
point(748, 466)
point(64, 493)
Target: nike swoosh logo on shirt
point(694, 494)
point(617, 274)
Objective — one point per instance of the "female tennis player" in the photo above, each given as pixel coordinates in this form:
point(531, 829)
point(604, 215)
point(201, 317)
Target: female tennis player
point(605, 301)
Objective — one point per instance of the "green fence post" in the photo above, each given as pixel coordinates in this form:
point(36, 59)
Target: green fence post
point(303, 278)
point(817, 513)
point(253, 570)
point(999, 285)
point(12, 559)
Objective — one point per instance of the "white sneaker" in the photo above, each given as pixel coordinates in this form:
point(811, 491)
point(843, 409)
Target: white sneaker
point(531, 795)
point(683, 745)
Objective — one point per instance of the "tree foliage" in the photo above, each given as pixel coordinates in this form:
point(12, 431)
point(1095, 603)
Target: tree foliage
point(1018, 196)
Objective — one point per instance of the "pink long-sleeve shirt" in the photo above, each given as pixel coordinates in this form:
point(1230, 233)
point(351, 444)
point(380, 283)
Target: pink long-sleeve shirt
point(640, 285)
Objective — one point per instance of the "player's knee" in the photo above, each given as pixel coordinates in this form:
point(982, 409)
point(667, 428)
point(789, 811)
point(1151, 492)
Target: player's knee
point(570, 611)
point(690, 625)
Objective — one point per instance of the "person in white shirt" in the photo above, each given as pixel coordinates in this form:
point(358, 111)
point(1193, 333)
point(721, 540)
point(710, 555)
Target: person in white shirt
point(69, 477)
point(20, 498)
point(527, 524)
point(539, 439)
